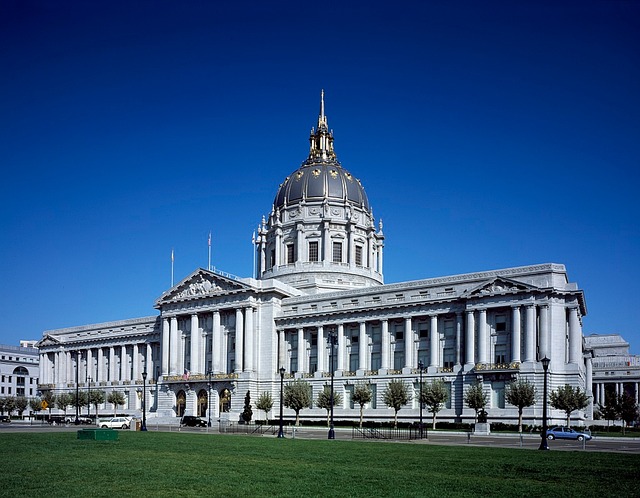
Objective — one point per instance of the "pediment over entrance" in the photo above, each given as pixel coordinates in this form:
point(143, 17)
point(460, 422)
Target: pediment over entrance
point(47, 341)
point(201, 283)
point(498, 286)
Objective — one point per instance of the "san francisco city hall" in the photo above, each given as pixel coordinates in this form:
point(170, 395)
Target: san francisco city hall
point(319, 272)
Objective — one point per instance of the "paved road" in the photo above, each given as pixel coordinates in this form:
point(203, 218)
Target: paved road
point(532, 442)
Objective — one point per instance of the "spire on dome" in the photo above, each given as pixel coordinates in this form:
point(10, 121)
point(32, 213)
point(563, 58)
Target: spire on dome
point(321, 140)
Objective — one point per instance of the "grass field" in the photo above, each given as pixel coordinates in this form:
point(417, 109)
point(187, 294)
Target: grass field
point(182, 464)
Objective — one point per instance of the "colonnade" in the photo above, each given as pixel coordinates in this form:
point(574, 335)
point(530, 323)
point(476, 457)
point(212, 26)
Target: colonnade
point(115, 363)
point(615, 386)
point(198, 348)
point(440, 340)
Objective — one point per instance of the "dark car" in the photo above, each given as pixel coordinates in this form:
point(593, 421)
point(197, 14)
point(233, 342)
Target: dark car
point(191, 421)
point(567, 433)
point(5, 418)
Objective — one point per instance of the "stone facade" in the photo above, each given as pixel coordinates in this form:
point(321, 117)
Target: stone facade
point(319, 273)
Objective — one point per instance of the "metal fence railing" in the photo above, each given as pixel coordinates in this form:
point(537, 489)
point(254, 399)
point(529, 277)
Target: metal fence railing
point(391, 433)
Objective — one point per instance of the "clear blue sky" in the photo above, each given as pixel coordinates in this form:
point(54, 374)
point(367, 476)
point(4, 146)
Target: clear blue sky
point(486, 134)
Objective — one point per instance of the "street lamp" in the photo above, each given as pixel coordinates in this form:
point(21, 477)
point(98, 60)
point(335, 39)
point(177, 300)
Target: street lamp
point(281, 431)
point(421, 368)
point(543, 444)
point(77, 422)
point(88, 398)
point(209, 399)
point(333, 340)
point(143, 427)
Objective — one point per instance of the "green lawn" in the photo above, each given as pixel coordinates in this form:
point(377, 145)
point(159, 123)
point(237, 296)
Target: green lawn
point(183, 464)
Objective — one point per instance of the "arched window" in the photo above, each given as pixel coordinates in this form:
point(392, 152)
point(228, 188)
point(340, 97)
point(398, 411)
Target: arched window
point(203, 403)
point(225, 400)
point(181, 403)
point(21, 374)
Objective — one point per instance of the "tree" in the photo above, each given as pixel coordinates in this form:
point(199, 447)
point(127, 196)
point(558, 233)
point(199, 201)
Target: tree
point(21, 404)
point(476, 398)
point(79, 399)
point(324, 400)
point(522, 394)
point(434, 395)
point(116, 398)
point(265, 403)
point(63, 401)
point(568, 399)
point(247, 412)
point(96, 397)
point(297, 395)
point(395, 396)
point(2, 405)
point(627, 409)
point(362, 395)
point(50, 398)
point(9, 404)
point(610, 410)
point(35, 404)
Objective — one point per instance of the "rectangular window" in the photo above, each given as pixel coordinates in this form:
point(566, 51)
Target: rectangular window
point(358, 255)
point(337, 252)
point(501, 323)
point(313, 251)
point(497, 394)
point(272, 258)
point(449, 357)
point(291, 254)
point(501, 353)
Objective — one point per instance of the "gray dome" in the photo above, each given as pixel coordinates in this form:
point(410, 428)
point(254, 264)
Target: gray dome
point(318, 180)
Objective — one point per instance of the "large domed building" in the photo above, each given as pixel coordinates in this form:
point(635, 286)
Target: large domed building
point(318, 308)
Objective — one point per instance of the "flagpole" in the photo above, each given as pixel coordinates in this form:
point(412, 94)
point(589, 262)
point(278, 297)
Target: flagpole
point(172, 258)
point(209, 264)
point(253, 250)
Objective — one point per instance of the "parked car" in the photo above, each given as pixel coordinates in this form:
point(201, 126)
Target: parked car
point(191, 421)
point(567, 433)
point(5, 418)
point(82, 420)
point(115, 423)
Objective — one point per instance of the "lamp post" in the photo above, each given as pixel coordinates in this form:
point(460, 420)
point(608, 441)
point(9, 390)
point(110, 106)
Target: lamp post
point(209, 399)
point(333, 340)
point(281, 431)
point(421, 368)
point(77, 422)
point(143, 427)
point(88, 398)
point(543, 444)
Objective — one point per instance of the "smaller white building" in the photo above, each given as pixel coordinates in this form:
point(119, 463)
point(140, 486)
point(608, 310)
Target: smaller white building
point(19, 370)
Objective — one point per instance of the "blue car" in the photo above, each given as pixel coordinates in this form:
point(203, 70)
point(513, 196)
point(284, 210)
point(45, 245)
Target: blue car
point(567, 433)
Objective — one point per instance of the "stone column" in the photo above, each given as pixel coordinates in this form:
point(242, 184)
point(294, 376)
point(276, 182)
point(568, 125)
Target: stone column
point(470, 340)
point(282, 357)
point(530, 333)
point(363, 346)
point(224, 352)
point(544, 332)
point(216, 343)
point(89, 371)
point(278, 254)
point(482, 336)
point(249, 339)
point(515, 334)
point(123, 363)
point(434, 345)
point(100, 366)
point(166, 335)
point(173, 350)
point(194, 366)
point(239, 367)
point(341, 348)
point(112, 363)
point(385, 346)
point(408, 343)
point(458, 338)
point(326, 236)
point(575, 336)
point(299, 253)
point(135, 363)
point(322, 350)
point(149, 364)
point(302, 351)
